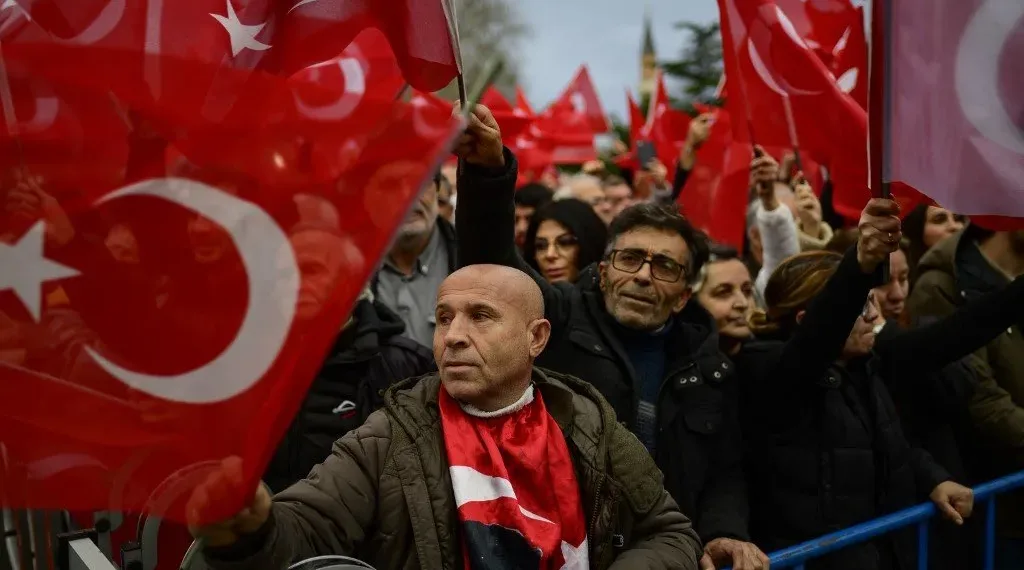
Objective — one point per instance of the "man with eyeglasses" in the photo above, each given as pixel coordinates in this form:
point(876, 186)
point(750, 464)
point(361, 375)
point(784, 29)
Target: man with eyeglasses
point(626, 327)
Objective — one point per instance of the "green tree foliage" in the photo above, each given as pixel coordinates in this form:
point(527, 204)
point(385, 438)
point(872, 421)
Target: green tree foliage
point(699, 66)
point(489, 28)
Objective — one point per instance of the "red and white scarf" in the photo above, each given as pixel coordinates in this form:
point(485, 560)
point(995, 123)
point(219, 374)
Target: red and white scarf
point(515, 487)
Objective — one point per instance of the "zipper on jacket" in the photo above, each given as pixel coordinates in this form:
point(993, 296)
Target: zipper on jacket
point(597, 503)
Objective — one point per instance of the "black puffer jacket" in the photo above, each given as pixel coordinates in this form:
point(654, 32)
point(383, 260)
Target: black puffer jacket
point(699, 444)
point(367, 358)
point(826, 449)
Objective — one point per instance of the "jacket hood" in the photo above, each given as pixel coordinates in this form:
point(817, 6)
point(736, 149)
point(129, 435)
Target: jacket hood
point(942, 257)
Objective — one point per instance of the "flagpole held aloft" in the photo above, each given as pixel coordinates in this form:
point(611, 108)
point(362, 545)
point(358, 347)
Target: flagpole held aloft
point(879, 105)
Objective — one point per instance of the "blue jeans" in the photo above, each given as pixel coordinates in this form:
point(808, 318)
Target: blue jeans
point(1009, 553)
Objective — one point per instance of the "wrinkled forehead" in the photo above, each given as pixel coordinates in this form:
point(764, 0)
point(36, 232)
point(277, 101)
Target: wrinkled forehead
point(654, 242)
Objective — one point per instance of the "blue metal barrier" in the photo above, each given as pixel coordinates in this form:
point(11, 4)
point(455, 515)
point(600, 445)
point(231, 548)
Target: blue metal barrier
point(794, 557)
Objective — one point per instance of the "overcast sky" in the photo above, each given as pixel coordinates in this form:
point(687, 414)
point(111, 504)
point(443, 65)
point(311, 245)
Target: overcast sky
point(606, 35)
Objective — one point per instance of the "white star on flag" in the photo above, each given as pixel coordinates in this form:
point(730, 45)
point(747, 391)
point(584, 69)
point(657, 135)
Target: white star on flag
point(24, 269)
point(242, 36)
point(575, 557)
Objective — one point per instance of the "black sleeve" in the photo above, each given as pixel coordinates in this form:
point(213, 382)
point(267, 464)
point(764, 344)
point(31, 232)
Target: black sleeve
point(723, 507)
point(485, 221)
point(927, 473)
point(972, 326)
point(679, 182)
point(819, 339)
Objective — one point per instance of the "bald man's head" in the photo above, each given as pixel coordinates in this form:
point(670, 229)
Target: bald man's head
point(506, 283)
point(490, 329)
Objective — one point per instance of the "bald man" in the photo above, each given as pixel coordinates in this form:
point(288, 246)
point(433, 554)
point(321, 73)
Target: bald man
point(490, 463)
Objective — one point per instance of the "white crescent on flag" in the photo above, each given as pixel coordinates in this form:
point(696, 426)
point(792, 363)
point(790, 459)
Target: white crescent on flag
point(977, 71)
point(273, 293)
point(355, 87)
point(108, 19)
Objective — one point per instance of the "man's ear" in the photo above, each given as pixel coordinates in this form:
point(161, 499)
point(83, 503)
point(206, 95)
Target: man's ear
point(800, 316)
point(540, 333)
point(602, 274)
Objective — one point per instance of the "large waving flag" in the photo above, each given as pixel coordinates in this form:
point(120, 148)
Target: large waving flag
point(957, 97)
point(184, 233)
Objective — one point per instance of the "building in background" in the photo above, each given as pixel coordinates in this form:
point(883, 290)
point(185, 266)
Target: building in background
point(648, 62)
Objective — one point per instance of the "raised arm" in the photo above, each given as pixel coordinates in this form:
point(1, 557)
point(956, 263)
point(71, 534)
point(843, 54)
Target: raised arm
point(950, 338)
point(485, 218)
point(818, 340)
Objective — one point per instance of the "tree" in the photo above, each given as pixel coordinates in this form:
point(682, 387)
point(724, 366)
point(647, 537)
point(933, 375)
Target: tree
point(488, 28)
point(700, 64)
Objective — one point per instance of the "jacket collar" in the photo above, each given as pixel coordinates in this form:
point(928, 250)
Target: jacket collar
point(413, 405)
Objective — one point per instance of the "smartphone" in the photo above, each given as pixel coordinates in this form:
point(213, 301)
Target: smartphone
point(645, 153)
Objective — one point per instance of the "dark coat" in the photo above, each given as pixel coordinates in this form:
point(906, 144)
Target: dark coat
point(826, 448)
point(954, 276)
point(366, 359)
point(385, 493)
point(699, 444)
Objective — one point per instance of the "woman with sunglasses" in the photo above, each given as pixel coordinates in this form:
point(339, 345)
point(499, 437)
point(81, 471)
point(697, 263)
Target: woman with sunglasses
point(564, 237)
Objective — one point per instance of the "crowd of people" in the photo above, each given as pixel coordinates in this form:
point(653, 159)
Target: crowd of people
point(576, 377)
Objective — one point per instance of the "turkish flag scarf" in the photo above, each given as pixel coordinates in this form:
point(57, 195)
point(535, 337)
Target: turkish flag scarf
point(515, 487)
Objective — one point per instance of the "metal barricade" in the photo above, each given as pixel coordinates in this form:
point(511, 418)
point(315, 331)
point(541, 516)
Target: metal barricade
point(794, 557)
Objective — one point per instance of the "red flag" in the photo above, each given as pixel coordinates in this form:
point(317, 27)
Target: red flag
point(715, 195)
point(580, 96)
point(850, 61)
point(637, 122)
point(666, 127)
point(276, 37)
point(522, 103)
point(168, 321)
point(829, 20)
point(512, 121)
point(957, 98)
point(792, 100)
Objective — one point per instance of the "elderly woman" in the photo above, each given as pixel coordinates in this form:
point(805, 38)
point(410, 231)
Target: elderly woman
point(826, 447)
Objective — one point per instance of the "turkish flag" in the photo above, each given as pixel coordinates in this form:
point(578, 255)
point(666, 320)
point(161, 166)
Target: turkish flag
point(513, 121)
point(714, 198)
point(850, 60)
point(793, 101)
point(666, 127)
point(170, 309)
point(164, 41)
point(580, 97)
point(565, 133)
point(957, 98)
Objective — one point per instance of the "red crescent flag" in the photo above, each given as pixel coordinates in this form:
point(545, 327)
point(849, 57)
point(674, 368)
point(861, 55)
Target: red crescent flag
point(167, 308)
point(957, 98)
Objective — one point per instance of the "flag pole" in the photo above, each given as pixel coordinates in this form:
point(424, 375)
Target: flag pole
point(10, 118)
point(880, 105)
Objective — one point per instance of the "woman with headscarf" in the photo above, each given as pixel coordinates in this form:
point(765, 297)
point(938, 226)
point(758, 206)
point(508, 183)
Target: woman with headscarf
point(826, 450)
point(725, 289)
point(564, 237)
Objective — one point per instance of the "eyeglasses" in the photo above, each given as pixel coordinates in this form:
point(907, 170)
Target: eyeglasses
point(563, 243)
point(663, 267)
